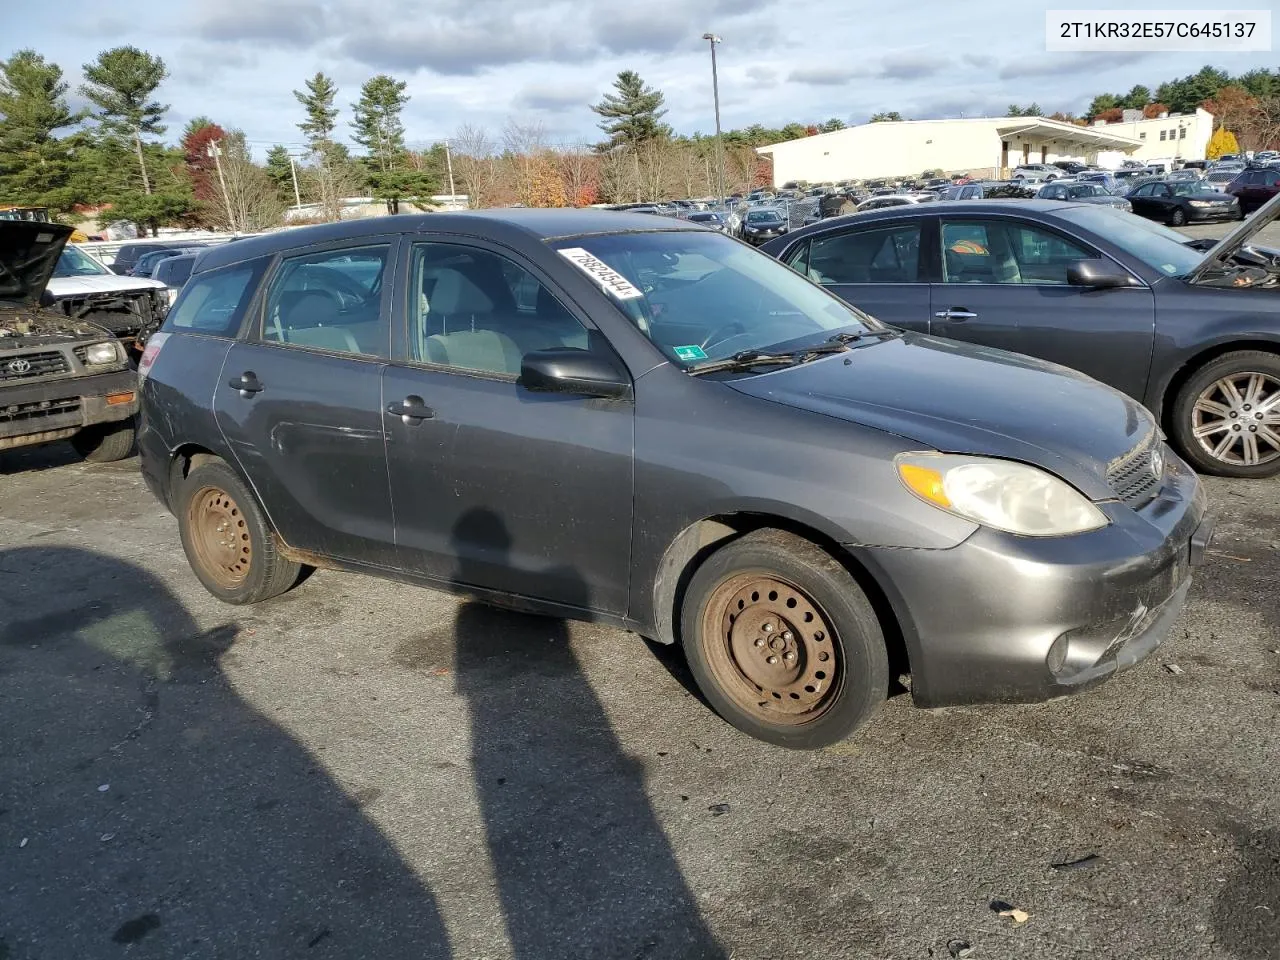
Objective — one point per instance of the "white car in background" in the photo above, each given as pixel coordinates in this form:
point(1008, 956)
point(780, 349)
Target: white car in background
point(82, 287)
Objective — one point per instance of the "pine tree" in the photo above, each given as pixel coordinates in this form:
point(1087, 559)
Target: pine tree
point(321, 113)
point(280, 172)
point(121, 83)
point(35, 165)
point(378, 126)
point(632, 114)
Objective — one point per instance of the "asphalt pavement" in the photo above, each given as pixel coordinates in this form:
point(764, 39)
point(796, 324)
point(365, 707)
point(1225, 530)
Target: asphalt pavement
point(361, 769)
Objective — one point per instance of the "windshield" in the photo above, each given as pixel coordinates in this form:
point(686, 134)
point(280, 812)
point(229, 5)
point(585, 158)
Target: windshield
point(702, 296)
point(1185, 188)
point(77, 263)
point(763, 216)
point(1154, 245)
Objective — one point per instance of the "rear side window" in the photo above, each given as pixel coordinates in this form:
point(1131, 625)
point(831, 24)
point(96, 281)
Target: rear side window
point(888, 255)
point(175, 271)
point(214, 303)
point(331, 301)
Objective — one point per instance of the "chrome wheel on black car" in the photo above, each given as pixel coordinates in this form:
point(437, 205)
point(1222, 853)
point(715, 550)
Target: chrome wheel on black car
point(1228, 416)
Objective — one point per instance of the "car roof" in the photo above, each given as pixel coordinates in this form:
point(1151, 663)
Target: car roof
point(506, 224)
point(966, 209)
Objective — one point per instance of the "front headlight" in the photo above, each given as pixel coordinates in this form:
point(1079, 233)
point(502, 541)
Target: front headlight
point(99, 353)
point(1013, 497)
point(1201, 203)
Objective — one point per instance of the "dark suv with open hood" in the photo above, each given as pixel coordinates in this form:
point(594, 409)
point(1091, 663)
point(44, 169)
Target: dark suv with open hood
point(60, 377)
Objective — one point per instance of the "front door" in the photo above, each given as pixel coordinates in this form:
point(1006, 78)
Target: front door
point(495, 486)
point(876, 267)
point(300, 402)
point(1004, 284)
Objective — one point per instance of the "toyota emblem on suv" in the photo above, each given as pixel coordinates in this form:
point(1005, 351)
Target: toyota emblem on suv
point(19, 366)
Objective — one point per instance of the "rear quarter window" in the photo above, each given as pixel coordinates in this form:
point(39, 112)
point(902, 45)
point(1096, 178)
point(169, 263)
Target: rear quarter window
point(214, 303)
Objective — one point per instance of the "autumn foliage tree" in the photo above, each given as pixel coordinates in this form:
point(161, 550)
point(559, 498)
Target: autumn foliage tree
point(1222, 142)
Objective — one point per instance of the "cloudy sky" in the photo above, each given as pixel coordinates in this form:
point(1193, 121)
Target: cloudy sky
point(483, 61)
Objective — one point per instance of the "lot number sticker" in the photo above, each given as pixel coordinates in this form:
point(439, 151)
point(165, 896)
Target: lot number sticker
point(694, 352)
point(610, 279)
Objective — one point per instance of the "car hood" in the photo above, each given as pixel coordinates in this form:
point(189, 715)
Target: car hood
point(28, 253)
point(1218, 255)
point(960, 398)
point(61, 288)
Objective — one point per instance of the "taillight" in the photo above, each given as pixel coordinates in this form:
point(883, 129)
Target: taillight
point(154, 343)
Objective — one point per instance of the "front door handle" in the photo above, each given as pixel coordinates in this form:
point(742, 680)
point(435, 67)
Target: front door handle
point(410, 410)
point(956, 313)
point(247, 383)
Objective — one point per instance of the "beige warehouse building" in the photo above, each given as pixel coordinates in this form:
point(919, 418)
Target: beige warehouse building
point(982, 147)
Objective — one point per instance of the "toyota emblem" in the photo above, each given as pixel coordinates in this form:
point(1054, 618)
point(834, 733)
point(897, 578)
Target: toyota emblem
point(19, 366)
point(1157, 463)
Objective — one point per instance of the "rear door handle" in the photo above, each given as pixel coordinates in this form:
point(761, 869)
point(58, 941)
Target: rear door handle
point(247, 383)
point(411, 410)
point(956, 313)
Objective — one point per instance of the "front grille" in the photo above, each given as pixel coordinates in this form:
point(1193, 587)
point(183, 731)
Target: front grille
point(1133, 478)
point(28, 365)
point(38, 409)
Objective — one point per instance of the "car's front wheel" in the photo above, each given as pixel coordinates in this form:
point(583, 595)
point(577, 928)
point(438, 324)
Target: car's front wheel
point(1226, 418)
point(783, 642)
point(104, 442)
point(1178, 218)
point(228, 542)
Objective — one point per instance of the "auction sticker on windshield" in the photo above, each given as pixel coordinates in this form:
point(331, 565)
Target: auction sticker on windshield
point(609, 278)
point(693, 352)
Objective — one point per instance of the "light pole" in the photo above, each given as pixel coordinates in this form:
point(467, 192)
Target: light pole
point(448, 159)
point(214, 149)
point(715, 90)
point(297, 195)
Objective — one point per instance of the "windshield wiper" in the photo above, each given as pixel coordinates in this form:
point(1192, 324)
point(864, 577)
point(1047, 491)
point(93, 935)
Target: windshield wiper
point(746, 359)
point(855, 337)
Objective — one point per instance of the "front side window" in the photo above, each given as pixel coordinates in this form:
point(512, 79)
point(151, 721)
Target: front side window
point(475, 310)
point(700, 296)
point(214, 303)
point(992, 251)
point(330, 301)
point(886, 255)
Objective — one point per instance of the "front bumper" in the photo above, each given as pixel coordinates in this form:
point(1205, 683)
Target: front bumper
point(1207, 214)
point(53, 409)
point(1001, 618)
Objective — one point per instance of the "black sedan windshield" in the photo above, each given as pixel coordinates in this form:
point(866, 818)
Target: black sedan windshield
point(764, 216)
point(702, 296)
point(1186, 188)
point(1134, 235)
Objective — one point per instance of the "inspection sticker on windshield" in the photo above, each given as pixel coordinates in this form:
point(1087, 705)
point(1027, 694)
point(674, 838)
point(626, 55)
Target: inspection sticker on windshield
point(609, 278)
point(694, 352)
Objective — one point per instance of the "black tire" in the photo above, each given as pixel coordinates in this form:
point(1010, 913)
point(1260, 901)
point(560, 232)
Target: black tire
point(1240, 363)
point(238, 564)
point(851, 647)
point(1178, 218)
point(105, 442)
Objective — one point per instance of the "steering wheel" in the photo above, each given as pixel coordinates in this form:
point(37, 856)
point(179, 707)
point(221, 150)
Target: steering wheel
point(734, 327)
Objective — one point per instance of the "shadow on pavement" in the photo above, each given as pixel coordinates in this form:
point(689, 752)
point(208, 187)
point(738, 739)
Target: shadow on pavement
point(582, 864)
point(144, 804)
point(1246, 914)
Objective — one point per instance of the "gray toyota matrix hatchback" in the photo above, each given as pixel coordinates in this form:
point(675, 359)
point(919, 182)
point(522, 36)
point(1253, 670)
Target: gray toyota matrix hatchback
point(641, 422)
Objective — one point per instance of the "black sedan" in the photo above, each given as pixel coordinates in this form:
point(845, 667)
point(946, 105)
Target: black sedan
point(763, 225)
point(547, 408)
point(1176, 202)
point(1194, 335)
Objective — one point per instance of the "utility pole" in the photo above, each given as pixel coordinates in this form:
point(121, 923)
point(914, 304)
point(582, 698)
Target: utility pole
point(715, 90)
point(448, 159)
point(297, 195)
point(215, 150)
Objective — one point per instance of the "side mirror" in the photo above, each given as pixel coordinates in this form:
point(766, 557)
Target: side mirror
point(569, 370)
point(1098, 274)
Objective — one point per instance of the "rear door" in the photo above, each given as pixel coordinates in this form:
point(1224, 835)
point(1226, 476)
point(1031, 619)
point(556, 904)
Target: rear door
point(300, 403)
point(875, 266)
point(1004, 284)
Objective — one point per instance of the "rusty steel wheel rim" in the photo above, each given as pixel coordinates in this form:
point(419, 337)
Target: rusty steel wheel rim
point(220, 537)
point(772, 648)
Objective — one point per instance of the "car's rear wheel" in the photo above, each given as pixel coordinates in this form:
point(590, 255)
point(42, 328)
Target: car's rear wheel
point(1227, 416)
point(1178, 218)
point(783, 642)
point(228, 543)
